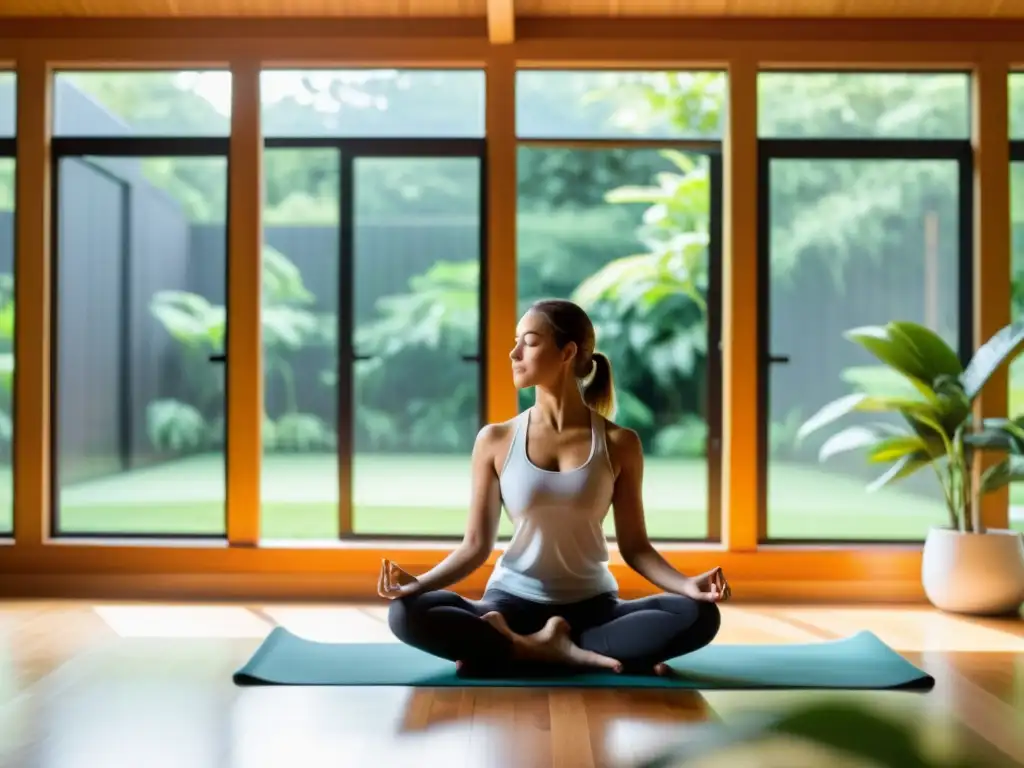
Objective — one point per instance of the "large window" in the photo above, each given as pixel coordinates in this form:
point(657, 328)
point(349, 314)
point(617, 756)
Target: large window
point(1016, 373)
point(372, 316)
point(139, 298)
point(866, 217)
point(632, 233)
point(7, 132)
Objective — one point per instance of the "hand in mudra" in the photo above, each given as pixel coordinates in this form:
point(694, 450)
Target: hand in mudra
point(393, 582)
point(709, 587)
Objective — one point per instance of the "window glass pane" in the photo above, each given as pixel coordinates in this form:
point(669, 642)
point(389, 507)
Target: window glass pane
point(625, 233)
point(374, 103)
point(619, 105)
point(1016, 98)
point(415, 406)
point(142, 104)
point(1016, 381)
point(301, 296)
point(851, 105)
point(416, 287)
point(6, 344)
point(8, 105)
point(853, 243)
point(140, 270)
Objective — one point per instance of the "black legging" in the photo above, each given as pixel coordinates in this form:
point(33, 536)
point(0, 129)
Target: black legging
point(638, 633)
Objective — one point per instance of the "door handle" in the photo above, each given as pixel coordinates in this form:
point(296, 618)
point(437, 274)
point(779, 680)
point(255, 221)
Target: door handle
point(218, 358)
point(360, 358)
point(778, 359)
point(471, 358)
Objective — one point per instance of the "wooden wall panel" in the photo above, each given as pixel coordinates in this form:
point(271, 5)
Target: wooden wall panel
point(245, 8)
point(870, 9)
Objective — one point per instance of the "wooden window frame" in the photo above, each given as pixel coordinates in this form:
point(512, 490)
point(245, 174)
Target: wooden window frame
point(32, 563)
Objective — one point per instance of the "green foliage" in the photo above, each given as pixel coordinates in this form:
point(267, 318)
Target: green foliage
point(6, 359)
point(416, 392)
point(675, 233)
point(813, 733)
point(623, 230)
point(923, 382)
point(176, 427)
point(6, 185)
point(199, 327)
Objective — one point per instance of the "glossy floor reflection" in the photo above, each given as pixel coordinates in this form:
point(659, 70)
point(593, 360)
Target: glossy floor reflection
point(148, 686)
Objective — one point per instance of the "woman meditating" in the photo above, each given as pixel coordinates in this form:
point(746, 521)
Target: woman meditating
point(557, 468)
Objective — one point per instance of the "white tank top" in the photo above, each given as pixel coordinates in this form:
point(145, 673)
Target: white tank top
point(558, 552)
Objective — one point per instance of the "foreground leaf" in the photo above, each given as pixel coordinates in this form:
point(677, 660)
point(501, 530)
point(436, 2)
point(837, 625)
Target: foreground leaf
point(1009, 470)
point(860, 403)
point(905, 467)
point(850, 439)
point(993, 354)
point(939, 358)
point(893, 448)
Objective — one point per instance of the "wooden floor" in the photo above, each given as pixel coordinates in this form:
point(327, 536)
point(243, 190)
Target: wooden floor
point(148, 686)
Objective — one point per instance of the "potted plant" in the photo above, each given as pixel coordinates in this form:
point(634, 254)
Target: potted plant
point(965, 568)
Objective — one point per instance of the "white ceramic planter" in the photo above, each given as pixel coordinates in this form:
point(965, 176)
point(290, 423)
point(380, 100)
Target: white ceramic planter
point(974, 573)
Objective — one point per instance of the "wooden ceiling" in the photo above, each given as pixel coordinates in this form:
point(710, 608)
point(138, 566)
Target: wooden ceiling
point(940, 9)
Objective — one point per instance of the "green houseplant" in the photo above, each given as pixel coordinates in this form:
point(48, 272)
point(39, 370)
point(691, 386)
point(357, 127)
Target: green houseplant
point(965, 567)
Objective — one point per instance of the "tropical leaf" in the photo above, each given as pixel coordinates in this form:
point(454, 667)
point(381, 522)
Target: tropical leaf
point(903, 468)
point(897, 447)
point(896, 353)
point(189, 318)
point(881, 381)
point(1003, 347)
point(850, 439)
point(940, 358)
point(282, 280)
point(1009, 470)
point(913, 350)
point(998, 435)
point(860, 402)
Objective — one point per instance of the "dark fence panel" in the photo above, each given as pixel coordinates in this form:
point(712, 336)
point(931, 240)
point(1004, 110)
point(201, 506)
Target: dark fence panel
point(160, 240)
point(90, 390)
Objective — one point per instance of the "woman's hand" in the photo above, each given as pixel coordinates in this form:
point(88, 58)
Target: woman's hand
point(710, 587)
point(393, 582)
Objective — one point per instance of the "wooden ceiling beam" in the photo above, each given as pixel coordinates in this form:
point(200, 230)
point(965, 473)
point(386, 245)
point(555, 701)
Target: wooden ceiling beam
point(501, 21)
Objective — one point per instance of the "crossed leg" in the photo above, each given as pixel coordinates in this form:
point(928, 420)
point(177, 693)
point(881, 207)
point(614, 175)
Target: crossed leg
point(479, 636)
point(643, 634)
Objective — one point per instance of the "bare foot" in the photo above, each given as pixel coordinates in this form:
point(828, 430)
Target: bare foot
point(553, 645)
point(497, 621)
point(664, 670)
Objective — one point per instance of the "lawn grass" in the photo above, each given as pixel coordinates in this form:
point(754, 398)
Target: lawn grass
point(428, 495)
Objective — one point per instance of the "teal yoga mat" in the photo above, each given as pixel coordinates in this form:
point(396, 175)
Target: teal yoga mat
point(858, 662)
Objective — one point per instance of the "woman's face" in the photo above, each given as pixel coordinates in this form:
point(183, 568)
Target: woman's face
point(536, 359)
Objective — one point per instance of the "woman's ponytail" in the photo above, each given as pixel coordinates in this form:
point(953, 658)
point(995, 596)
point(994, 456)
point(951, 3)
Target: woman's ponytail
point(599, 392)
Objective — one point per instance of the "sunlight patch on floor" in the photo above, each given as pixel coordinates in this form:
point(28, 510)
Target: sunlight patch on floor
point(136, 621)
point(911, 629)
point(333, 625)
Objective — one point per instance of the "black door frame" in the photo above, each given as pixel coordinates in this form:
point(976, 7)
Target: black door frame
point(713, 374)
point(957, 150)
point(349, 151)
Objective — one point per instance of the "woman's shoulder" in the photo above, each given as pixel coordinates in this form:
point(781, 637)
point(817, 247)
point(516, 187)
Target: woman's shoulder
point(623, 443)
point(496, 436)
point(498, 429)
